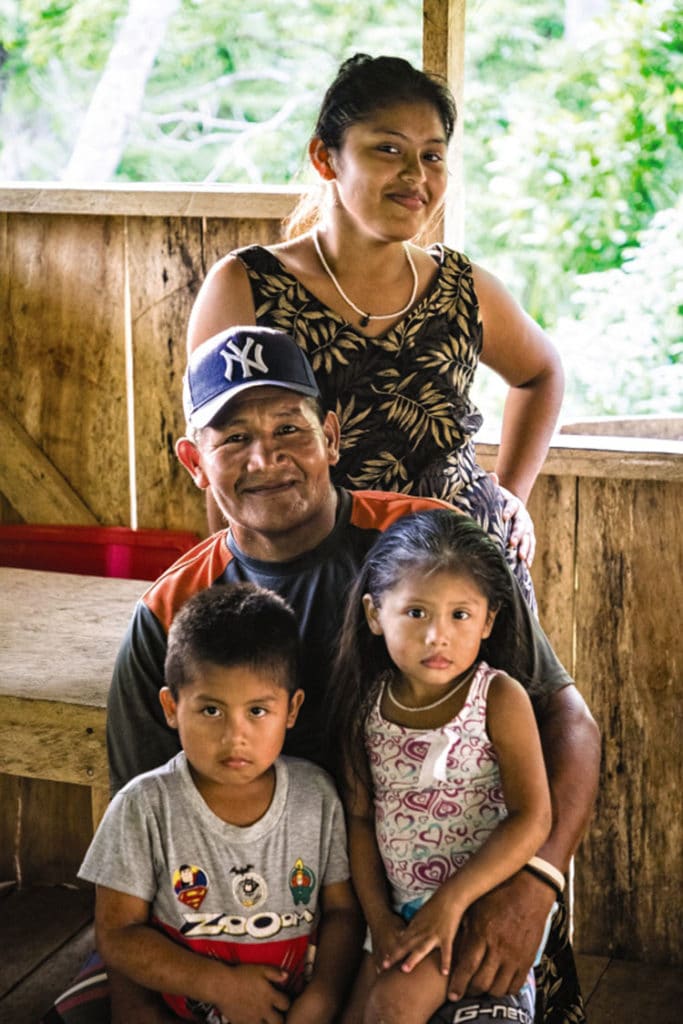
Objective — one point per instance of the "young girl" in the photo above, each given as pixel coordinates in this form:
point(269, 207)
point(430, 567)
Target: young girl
point(441, 763)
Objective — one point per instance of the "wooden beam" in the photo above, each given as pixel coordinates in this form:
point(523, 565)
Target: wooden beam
point(443, 53)
point(147, 199)
point(44, 739)
point(30, 482)
point(609, 458)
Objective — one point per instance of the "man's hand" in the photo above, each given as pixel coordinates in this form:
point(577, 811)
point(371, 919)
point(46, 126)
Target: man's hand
point(499, 938)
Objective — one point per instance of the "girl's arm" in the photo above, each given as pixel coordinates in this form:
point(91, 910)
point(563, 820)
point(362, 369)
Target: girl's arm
point(246, 994)
point(367, 870)
point(512, 730)
point(340, 939)
point(224, 300)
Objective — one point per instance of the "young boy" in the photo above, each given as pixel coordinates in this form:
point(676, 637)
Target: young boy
point(219, 873)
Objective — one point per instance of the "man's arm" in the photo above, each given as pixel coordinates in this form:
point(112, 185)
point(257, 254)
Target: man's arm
point(501, 933)
point(138, 738)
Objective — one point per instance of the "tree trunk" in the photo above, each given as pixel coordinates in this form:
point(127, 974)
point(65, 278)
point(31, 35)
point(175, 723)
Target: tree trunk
point(120, 92)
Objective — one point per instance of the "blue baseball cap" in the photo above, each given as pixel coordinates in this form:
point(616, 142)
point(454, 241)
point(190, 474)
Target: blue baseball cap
point(241, 358)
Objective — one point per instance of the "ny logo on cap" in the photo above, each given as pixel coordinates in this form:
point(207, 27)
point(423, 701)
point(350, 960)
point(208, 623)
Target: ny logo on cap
point(248, 363)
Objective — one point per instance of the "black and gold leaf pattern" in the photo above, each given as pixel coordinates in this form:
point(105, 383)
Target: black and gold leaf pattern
point(384, 473)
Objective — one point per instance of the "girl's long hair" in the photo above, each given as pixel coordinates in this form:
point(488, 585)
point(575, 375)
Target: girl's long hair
point(434, 541)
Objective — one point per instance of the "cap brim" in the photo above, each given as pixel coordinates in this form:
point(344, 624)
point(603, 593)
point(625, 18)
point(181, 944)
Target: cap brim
point(206, 414)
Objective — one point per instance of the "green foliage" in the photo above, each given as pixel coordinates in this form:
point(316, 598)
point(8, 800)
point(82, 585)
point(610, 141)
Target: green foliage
point(574, 169)
point(625, 346)
point(54, 53)
point(585, 147)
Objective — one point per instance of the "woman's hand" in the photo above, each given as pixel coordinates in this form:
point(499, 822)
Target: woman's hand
point(522, 533)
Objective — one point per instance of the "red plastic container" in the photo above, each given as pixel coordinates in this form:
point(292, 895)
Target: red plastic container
point(93, 550)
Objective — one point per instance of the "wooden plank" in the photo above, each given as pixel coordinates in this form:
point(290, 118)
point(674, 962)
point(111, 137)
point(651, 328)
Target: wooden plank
point(590, 969)
point(43, 739)
point(35, 923)
point(552, 506)
point(221, 236)
point(60, 633)
point(629, 991)
point(613, 458)
point(165, 267)
point(150, 200)
point(629, 889)
point(33, 997)
point(652, 426)
point(62, 358)
point(55, 830)
point(9, 817)
point(443, 53)
point(29, 481)
point(168, 260)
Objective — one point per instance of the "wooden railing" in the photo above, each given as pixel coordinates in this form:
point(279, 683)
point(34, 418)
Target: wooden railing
point(95, 292)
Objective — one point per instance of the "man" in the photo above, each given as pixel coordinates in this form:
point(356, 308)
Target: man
point(258, 438)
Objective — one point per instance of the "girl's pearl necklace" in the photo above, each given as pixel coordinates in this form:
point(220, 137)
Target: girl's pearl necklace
point(442, 700)
point(365, 318)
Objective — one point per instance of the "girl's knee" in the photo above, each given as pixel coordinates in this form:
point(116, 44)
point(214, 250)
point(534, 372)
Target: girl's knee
point(395, 998)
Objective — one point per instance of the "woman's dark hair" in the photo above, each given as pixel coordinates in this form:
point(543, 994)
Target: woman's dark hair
point(238, 624)
point(366, 84)
point(426, 542)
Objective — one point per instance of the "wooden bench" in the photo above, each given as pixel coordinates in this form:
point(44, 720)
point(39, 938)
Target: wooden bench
point(59, 635)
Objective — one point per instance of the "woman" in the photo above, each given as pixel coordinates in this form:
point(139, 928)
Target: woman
point(394, 332)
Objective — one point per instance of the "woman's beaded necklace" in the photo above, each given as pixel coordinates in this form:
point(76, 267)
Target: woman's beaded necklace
point(365, 318)
point(442, 700)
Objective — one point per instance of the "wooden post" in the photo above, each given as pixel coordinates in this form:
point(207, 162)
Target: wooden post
point(443, 53)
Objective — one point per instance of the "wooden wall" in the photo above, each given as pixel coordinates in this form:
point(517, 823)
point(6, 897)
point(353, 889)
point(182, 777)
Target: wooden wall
point(81, 298)
point(91, 284)
point(610, 588)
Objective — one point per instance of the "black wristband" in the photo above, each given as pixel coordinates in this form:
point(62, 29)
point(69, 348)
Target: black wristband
point(543, 878)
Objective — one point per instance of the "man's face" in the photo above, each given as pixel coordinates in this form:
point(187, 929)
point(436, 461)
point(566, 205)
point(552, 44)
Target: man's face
point(268, 465)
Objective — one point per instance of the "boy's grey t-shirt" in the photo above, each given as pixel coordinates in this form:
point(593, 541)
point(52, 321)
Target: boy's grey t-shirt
point(242, 894)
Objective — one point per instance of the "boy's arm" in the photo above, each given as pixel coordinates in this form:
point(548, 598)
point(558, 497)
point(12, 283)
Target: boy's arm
point(246, 994)
point(512, 729)
point(501, 932)
point(340, 939)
